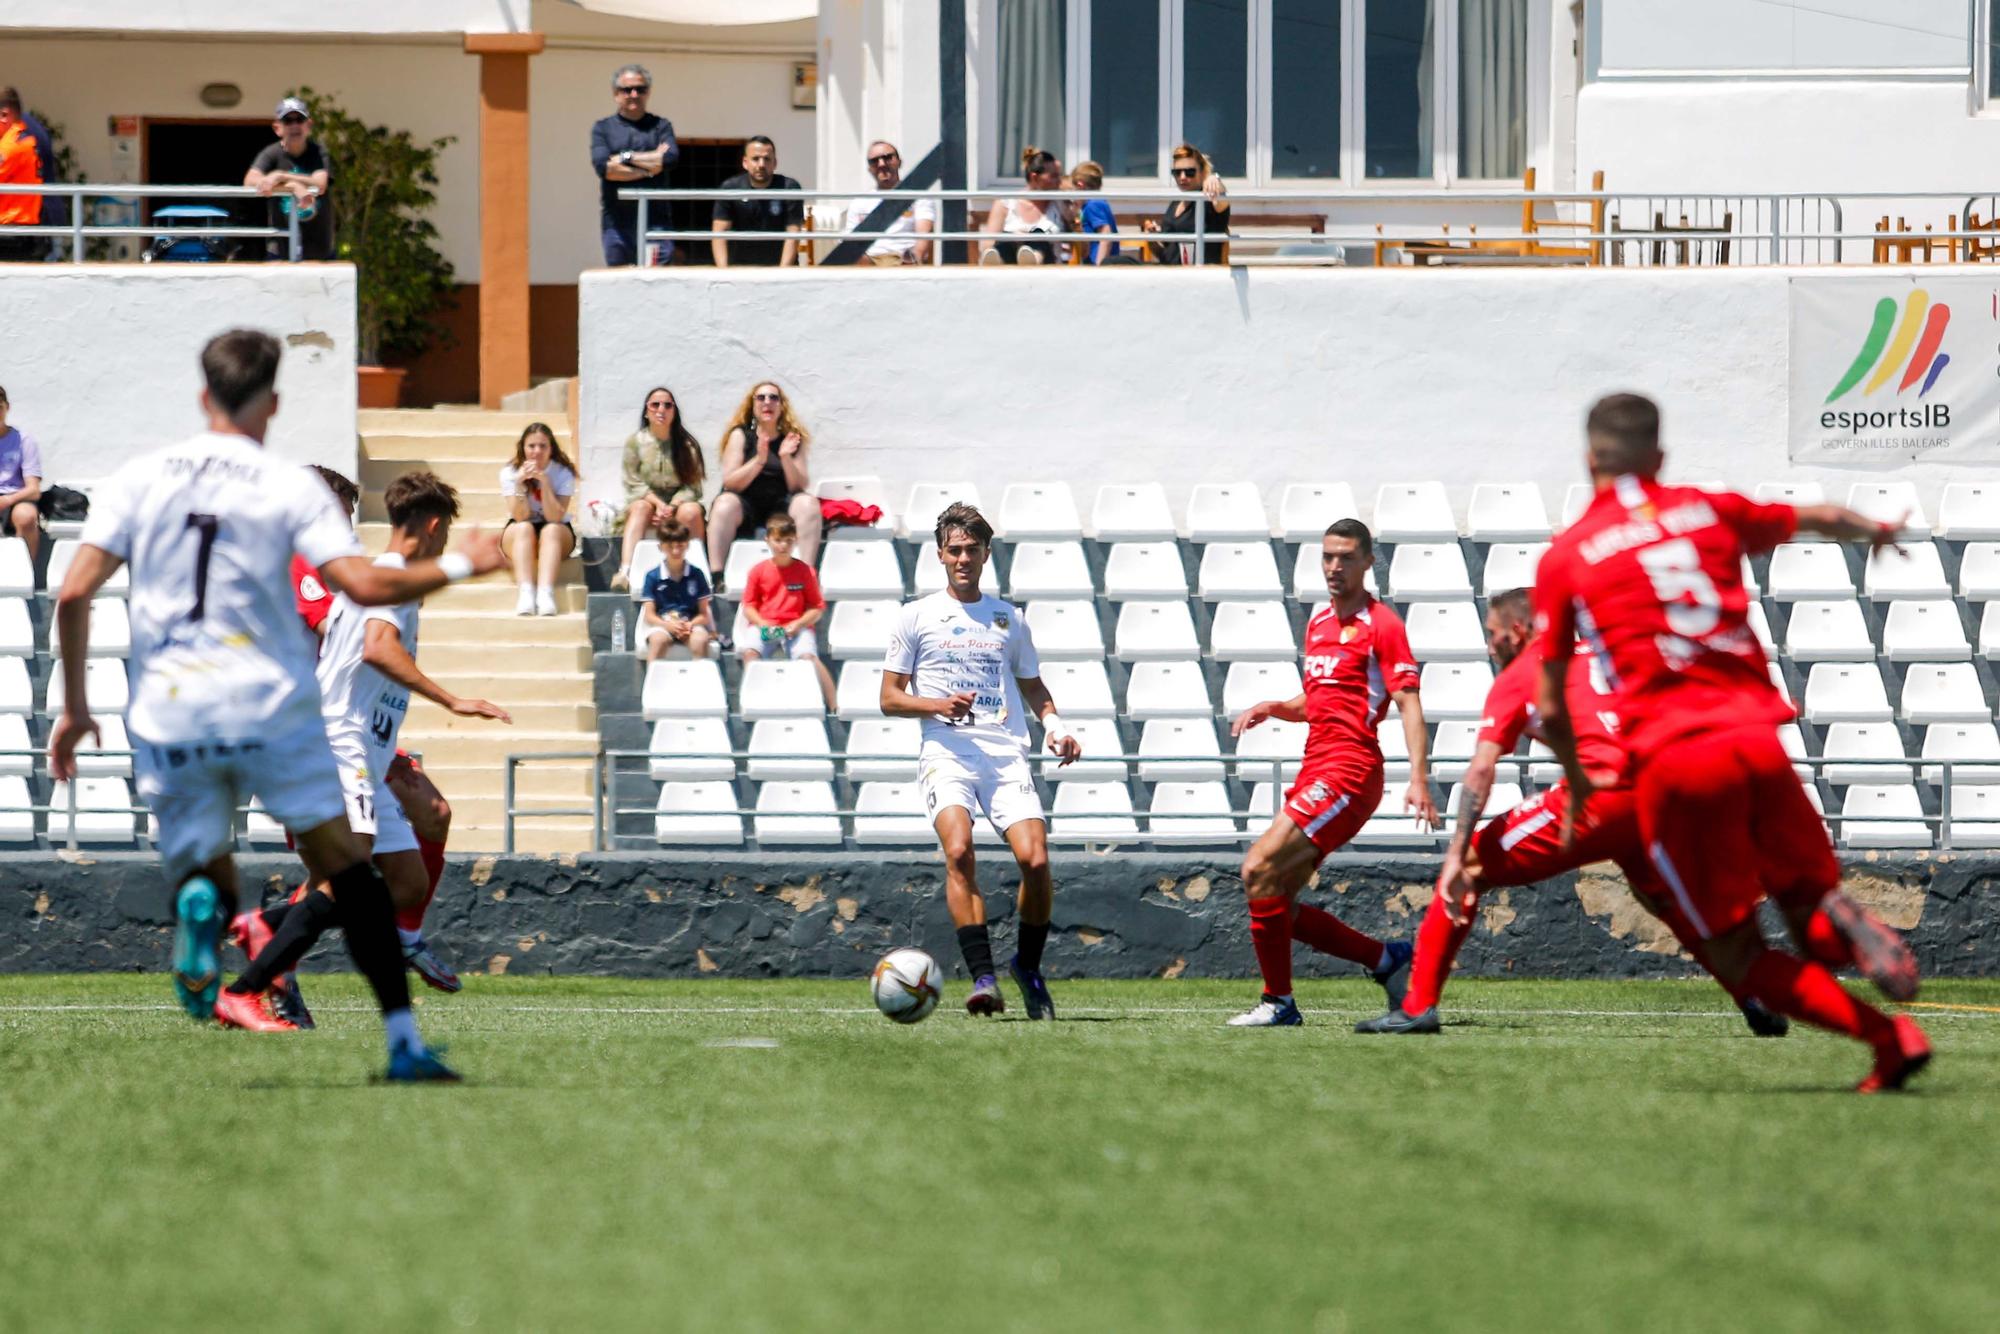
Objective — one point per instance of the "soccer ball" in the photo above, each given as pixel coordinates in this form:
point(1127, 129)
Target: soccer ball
point(907, 985)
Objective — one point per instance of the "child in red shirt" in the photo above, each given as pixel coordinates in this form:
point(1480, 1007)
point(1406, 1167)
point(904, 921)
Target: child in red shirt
point(782, 599)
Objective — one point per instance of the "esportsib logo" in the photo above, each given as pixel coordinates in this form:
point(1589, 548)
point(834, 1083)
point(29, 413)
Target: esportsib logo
point(1883, 354)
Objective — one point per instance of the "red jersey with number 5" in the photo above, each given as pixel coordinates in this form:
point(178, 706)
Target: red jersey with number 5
point(1651, 579)
point(1352, 666)
point(1511, 711)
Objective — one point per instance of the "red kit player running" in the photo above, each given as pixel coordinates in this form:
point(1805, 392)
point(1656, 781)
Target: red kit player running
point(1357, 660)
point(1525, 845)
point(1650, 577)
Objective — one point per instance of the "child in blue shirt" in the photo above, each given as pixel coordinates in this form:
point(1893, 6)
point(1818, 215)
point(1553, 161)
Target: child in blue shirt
point(1097, 215)
point(675, 609)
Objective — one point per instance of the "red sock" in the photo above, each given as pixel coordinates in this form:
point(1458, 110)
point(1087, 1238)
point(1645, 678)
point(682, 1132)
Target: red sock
point(1438, 943)
point(1824, 942)
point(1271, 937)
point(412, 919)
point(1329, 935)
point(1807, 991)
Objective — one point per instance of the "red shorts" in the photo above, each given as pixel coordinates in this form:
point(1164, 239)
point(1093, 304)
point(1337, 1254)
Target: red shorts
point(1524, 845)
point(1330, 808)
point(1727, 824)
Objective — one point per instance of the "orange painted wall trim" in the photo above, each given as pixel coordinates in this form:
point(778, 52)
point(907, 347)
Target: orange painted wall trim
point(503, 210)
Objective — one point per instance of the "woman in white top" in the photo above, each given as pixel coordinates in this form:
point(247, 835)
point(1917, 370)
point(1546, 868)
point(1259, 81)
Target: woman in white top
point(537, 487)
point(1029, 217)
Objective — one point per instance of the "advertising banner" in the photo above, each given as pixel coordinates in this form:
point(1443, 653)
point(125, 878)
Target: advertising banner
point(1906, 367)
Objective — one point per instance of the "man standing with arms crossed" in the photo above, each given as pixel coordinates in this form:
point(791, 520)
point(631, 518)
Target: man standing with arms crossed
point(965, 664)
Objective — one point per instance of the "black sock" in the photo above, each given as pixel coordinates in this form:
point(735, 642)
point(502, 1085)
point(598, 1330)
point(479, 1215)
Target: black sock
point(977, 948)
point(275, 915)
point(370, 921)
point(1034, 935)
point(315, 915)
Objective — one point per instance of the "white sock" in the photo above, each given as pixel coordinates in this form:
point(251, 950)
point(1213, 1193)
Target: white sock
point(549, 589)
point(410, 937)
point(528, 587)
point(401, 1026)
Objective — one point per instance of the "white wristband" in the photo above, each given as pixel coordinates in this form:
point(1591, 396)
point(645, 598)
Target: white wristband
point(456, 565)
point(1053, 729)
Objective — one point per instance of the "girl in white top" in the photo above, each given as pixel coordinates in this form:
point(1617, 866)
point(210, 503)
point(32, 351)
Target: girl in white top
point(1029, 217)
point(537, 487)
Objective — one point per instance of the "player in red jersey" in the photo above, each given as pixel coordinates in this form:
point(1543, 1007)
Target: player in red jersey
point(1525, 845)
point(1357, 659)
point(1650, 577)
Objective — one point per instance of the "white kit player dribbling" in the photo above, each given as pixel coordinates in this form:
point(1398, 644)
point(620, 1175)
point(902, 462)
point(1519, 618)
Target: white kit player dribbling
point(224, 703)
point(965, 664)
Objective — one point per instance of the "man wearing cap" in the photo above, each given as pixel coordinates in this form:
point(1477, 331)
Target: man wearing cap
point(295, 172)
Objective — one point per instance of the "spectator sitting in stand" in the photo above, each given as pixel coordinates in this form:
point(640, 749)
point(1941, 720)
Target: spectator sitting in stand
point(297, 173)
point(537, 486)
point(763, 474)
point(20, 484)
point(1097, 217)
point(676, 606)
point(1028, 217)
point(903, 240)
point(664, 472)
point(20, 164)
point(1194, 173)
point(782, 599)
point(631, 146)
point(760, 172)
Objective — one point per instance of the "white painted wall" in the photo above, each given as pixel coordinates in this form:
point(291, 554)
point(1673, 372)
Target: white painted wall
point(1733, 35)
point(285, 17)
point(1276, 375)
point(102, 363)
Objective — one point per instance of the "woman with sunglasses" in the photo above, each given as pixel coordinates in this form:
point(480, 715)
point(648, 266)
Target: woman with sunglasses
point(1194, 173)
point(1028, 217)
point(663, 476)
point(763, 473)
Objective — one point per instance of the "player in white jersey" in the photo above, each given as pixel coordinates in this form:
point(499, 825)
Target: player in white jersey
point(965, 664)
point(367, 671)
point(224, 704)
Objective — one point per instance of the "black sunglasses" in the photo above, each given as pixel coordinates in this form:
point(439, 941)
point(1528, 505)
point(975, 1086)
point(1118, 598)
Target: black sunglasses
point(768, 398)
point(635, 88)
point(293, 119)
point(1187, 171)
point(884, 160)
point(663, 406)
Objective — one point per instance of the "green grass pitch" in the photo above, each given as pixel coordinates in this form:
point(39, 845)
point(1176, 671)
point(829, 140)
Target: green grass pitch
point(773, 1155)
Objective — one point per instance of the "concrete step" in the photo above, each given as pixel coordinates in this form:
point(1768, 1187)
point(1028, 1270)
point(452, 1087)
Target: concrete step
point(486, 811)
point(565, 782)
point(427, 719)
point(473, 627)
point(548, 835)
point(455, 419)
point(470, 657)
point(482, 506)
point(510, 688)
point(489, 750)
point(495, 595)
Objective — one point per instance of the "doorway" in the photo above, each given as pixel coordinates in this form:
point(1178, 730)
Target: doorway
point(705, 164)
point(176, 151)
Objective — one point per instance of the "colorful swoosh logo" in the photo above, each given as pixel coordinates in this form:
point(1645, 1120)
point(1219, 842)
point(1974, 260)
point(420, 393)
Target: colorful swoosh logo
point(1889, 342)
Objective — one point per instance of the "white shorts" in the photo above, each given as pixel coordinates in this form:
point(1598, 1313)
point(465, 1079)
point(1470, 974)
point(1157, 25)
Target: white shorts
point(804, 644)
point(1000, 787)
point(374, 810)
point(194, 787)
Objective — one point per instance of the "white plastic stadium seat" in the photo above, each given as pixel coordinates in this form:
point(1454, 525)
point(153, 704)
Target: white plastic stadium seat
point(1047, 569)
point(14, 738)
point(1884, 816)
point(1273, 739)
point(1093, 811)
point(1924, 632)
point(1778, 682)
point(1839, 692)
point(1307, 509)
point(109, 755)
point(1135, 512)
point(1914, 572)
point(790, 750)
point(63, 552)
point(1455, 689)
point(861, 627)
point(1414, 512)
point(1239, 570)
point(890, 813)
point(1809, 570)
point(683, 690)
point(859, 569)
point(1166, 690)
point(1065, 628)
point(17, 572)
point(1975, 817)
point(1189, 812)
point(1969, 512)
point(1102, 746)
point(1423, 571)
point(1943, 692)
point(1144, 570)
point(863, 491)
point(1039, 512)
point(1760, 626)
point(702, 813)
point(1180, 737)
point(1793, 738)
point(1511, 565)
point(1863, 749)
point(1246, 683)
point(103, 811)
point(1227, 512)
point(1156, 630)
point(1575, 501)
point(1989, 632)
point(259, 827)
point(1309, 581)
point(927, 501)
point(745, 554)
point(1979, 572)
point(106, 688)
point(690, 750)
point(646, 559)
point(1252, 632)
point(1962, 743)
point(17, 631)
point(1080, 689)
point(1886, 502)
point(110, 630)
point(1445, 631)
point(858, 690)
point(1500, 799)
point(1828, 631)
point(780, 690)
point(883, 750)
point(17, 822)
point(1790, 493)
point(1394, 826)
point(1507, 512)
point(17, 695)
point(1450, 748)
point(796, 813)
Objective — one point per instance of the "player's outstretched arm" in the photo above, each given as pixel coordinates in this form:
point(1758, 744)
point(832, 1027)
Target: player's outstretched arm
point(87, 573)
point(1552, 701)
point(1844, 525)
point(1036, 699)
point(898, 702)
point(374, 585)
point(1417, 740)
point(382, 648)
point(1291, 710)
point(1457, 881)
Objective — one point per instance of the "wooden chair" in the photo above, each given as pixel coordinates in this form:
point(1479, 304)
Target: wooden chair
point(1903, 246)
point(1688, 239)
point(1533, 224)
point(1974, 250)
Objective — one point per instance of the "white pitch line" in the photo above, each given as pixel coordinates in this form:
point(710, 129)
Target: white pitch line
point(1469, 1012)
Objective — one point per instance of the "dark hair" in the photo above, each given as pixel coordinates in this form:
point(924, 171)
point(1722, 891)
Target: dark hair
point(673, 530)
point(763, 139)
point(417, 496)
point(3, 394)
point(780, 525)
point(239, 366)
point(1355, 530)
point(1035, 159)
point(1629, 421)
point(344, 491)
point(1516, 604)
point(962, 516)
point(10, 98)
point(681, 446)
point(556, 454)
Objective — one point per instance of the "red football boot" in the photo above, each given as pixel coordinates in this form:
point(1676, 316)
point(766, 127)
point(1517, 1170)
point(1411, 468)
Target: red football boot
point(1894, 1067)
point(252, 1013)
point(1879, 952)
point(250, 933)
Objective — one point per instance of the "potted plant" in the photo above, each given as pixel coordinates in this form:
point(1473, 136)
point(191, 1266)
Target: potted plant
point(384, 184)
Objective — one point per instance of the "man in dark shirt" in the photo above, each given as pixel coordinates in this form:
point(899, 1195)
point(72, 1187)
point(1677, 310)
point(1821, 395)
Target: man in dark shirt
point(296, 173)
point(633, 146)
point(760, 172)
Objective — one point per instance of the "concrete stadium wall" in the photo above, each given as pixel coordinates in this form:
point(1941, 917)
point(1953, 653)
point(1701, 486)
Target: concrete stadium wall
point(738, 915)
point(101, 362)
point(1276, 375)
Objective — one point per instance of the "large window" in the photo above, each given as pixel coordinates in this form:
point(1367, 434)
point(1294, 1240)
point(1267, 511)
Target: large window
point(1360, 91)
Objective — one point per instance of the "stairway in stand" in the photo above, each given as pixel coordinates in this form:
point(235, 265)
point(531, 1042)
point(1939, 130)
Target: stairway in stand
point(538, 668)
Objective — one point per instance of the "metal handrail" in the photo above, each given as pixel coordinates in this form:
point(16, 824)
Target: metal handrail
point(78, 232)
